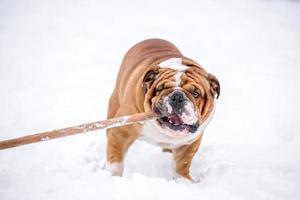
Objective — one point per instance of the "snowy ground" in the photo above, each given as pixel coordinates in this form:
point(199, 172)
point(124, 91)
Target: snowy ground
point(58, 64)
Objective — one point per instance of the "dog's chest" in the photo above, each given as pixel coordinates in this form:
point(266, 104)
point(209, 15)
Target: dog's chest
point(150, 133)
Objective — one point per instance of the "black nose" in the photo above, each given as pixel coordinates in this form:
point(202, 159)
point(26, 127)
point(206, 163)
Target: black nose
point(177, 101)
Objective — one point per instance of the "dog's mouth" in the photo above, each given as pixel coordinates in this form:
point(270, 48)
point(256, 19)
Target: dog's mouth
point(175, 123)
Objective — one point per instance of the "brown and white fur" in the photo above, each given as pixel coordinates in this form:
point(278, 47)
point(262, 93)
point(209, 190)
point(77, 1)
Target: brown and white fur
point(155, 76)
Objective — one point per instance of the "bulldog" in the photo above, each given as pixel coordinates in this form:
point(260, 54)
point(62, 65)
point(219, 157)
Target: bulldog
point(155, 76)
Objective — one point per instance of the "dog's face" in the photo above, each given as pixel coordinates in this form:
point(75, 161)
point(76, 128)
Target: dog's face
point(182, 94)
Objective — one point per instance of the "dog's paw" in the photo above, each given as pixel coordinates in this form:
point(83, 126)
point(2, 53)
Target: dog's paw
point(181, 178)
point(115, 168)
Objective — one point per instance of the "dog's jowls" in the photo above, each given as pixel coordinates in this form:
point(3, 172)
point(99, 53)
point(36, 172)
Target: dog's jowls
point(155, 76)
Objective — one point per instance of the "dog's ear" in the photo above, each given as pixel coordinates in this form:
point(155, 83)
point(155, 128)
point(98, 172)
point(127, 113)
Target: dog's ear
point(148, 80)
point(214, 85)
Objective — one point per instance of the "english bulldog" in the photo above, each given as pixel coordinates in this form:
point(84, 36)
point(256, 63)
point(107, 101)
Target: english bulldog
point(155, 76)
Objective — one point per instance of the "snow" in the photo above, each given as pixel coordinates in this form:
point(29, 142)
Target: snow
point(58, 64)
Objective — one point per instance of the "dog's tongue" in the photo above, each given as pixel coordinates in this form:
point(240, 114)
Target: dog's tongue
point(175, 119)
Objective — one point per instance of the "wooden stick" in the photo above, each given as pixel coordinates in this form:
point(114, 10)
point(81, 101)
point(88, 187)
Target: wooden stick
point(83, 128)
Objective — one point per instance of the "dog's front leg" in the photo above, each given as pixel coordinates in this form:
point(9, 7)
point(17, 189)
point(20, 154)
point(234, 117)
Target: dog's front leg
point(118, 142)
point(183, 158)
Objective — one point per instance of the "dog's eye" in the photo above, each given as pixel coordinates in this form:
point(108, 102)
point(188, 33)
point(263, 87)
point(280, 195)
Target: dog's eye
point(150, 76)
point(148, 80)
point(196, 93)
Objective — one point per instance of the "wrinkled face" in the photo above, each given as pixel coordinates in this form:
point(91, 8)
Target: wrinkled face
point(182, 94)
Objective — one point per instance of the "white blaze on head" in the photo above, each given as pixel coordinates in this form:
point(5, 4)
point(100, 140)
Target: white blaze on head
point(178, 79)
point(175, 64)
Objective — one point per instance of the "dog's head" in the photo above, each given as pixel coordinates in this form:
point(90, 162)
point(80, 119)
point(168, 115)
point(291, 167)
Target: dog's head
point(182, 93)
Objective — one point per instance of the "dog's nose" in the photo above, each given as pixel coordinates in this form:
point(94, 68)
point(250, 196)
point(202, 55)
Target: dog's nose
point(177, 101)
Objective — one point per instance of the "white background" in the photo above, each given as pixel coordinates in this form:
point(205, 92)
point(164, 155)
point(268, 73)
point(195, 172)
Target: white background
point(58, 64)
